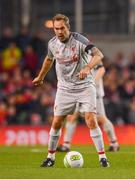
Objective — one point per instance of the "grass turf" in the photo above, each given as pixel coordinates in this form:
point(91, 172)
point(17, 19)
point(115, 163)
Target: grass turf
point(24, 162)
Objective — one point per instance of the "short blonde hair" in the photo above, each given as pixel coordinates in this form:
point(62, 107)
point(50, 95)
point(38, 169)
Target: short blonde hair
point(59, 17)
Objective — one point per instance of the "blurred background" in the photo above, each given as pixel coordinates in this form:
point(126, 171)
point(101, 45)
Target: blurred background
point(25, 28)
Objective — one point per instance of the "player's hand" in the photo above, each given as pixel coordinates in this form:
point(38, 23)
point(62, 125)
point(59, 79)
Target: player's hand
point(38, 81)
point(84, 73)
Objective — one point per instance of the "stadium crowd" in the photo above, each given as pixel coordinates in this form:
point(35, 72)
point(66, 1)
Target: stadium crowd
point(21, 56)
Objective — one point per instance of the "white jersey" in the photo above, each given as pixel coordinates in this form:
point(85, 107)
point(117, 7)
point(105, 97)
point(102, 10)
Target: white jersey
point(71, 57)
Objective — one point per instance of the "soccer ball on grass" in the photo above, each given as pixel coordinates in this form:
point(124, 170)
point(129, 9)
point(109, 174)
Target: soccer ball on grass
point(73, 159)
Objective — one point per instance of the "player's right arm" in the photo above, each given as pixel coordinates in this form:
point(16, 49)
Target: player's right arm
point(45, 68)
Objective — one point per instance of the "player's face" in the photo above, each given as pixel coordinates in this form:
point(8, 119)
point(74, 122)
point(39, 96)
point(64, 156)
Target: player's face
point(61, 30)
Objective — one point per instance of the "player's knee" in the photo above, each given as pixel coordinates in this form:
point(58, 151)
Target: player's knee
point(91, 121)
point(91, 124)
point(72, 118)
point(56, 124)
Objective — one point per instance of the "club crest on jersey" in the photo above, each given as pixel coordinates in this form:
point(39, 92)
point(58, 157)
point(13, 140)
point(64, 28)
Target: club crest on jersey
point(75, 58)
point(67, 54)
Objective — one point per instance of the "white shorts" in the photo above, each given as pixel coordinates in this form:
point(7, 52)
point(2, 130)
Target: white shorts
point(67, 101)
point(100, 106)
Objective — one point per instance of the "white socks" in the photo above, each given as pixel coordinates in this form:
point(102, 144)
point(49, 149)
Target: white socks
point(109, 129)
point(53, 142)
point(97, 138)
point(70, 129)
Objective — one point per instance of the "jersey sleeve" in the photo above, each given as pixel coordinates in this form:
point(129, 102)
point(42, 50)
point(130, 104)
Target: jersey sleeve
point(50, 54)
point(87, 45)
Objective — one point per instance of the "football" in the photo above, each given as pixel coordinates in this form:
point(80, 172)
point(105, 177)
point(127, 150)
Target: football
point(73, 159)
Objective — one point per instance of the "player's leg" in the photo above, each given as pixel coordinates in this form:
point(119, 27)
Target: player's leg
point(71, 122)
point(54, 136)
point(109, 129)
point(64, 104)
point(87, 100)
point(107, 125)
point(70, 129)
point(96, 136)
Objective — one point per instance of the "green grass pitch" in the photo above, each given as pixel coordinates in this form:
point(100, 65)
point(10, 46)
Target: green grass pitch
point(24, 162)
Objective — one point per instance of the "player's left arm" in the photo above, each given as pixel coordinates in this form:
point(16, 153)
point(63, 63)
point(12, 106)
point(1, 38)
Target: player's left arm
point(97, 57)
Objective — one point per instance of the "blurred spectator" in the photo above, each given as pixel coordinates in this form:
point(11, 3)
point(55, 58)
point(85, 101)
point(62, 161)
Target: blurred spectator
point(0, 62)
point(127, 90)
point(131, 114)
point(39, 45)
point(30, 60)
point(47, 100)
point(23, 38)
point(125, 74)
point(132, 63)
point(3, 113)
point(7, 38)
point(113, 103)
point(11, 57)
point(26, 76)
point(11, 115)
point(36, 119)
point(120, 60)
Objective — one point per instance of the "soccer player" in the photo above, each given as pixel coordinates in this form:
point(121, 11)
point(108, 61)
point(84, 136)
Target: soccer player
point(71, 52)
point(108, 127)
